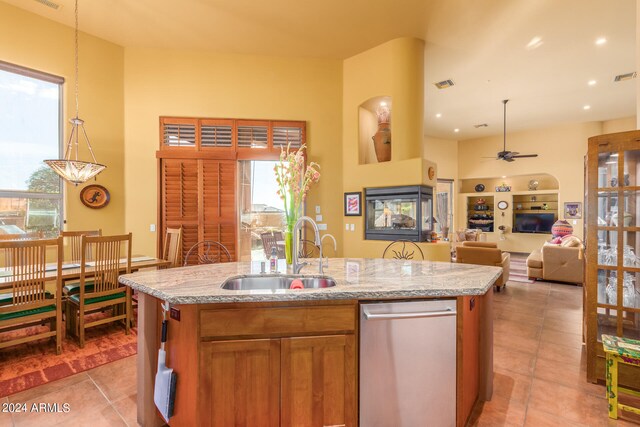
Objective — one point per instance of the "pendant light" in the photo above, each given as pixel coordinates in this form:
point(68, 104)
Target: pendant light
point(74, 170)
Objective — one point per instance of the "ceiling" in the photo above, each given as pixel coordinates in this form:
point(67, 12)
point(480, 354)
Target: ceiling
point(480, 45)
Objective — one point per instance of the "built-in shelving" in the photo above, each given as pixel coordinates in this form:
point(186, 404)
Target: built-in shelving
point(480, 212)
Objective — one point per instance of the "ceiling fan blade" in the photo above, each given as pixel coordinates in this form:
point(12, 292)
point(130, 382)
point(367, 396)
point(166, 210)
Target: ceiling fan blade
point(508, 159)
point(524, 155)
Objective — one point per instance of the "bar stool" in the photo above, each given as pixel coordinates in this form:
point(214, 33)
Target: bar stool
point(619, 350)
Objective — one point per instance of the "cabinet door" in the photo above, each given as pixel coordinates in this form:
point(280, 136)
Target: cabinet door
point(319, 381)
point(240, 383)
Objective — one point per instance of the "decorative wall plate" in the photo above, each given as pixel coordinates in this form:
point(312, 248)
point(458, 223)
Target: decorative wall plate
point(95, 196)
point(502, 205)
point(432, 172)
point(480, 188)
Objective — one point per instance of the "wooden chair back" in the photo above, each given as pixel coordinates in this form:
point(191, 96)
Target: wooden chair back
point(268, 242)
point(26, 275)
point(108, 252)
point(74, 240)
point(26, 270)
point(403, 249)
point(207, 252)
point(172, 246)
point(308, 249)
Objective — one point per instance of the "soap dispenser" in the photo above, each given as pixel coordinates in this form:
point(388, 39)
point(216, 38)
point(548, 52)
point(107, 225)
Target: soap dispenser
point(273, 260)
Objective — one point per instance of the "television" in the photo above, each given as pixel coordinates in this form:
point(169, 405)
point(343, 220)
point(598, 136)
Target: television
point(533, 222)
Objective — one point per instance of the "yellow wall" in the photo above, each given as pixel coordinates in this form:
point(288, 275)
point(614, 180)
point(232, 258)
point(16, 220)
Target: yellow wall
point(394, 69)
point(34, 42)
point(619, 125)
point(445, 153)
point(560, 150)
point(195, 84)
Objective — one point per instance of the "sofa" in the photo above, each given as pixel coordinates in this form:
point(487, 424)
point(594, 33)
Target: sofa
point(562, 262)
point(485, 253)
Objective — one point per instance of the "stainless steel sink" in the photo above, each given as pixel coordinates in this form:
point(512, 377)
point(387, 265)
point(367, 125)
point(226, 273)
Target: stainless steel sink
point(245, 283)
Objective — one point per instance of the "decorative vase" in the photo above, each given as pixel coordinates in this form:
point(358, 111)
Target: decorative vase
point(382, 142)
point(288, 241)
point(561, 228)
point(626, 219)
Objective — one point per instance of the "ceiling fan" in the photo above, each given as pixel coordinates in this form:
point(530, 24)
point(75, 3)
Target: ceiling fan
point(509, 156)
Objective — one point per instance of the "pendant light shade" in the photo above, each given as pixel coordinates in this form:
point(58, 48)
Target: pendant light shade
point(74, 170)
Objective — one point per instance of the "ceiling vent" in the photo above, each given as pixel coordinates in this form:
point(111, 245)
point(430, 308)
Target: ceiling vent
point(623, 77)
point(481, 125)
point(444, 84)
point(50, 4)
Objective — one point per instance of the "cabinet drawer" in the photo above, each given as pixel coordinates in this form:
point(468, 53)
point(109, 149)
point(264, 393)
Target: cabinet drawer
point(277, 321)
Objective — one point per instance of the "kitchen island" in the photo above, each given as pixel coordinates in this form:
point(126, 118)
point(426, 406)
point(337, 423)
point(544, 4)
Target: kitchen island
point(290, 357)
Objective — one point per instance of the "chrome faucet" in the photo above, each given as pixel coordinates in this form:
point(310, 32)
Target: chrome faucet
point(297, 265)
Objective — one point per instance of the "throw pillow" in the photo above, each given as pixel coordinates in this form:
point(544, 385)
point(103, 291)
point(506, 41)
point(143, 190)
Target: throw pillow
point(561, 228)
point(570, 241)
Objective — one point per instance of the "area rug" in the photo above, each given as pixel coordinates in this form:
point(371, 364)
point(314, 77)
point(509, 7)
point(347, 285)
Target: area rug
point(518, 269)
point(32, 364)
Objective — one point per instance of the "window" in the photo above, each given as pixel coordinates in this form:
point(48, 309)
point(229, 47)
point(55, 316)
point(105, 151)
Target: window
point(261, 209)
point(30, 119)
point(444, 207)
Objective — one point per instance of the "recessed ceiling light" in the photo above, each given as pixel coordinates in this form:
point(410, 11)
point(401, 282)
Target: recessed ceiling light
point(456, 130)
point(535, 43)
point(600, 41)
point(383, 104)
point(592, 82)
point(504, 176)
point(438, 115)
point(586, 107)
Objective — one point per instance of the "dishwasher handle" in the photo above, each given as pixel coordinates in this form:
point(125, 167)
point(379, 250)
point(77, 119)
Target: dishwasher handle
point(370, 316)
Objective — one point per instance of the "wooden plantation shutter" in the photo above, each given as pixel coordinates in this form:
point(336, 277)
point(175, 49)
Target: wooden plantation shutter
point(178, 133)
point(179, 199)
point(219, 203)
point(288, 133)
point(198, 163)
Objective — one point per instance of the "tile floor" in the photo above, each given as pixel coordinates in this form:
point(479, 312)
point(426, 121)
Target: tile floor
point(538, 359)
point(540, 363)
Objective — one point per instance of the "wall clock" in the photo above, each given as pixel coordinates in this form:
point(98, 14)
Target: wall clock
point(479, 188)
point(502, 205)
point(95, 196)
point(432, 173)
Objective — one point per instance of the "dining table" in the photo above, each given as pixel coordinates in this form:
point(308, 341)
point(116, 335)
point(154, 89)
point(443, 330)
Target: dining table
point(71, 270)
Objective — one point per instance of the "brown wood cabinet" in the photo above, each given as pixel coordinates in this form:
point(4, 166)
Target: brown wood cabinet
point(318, 381)
point(240, 383)
point(288, 364)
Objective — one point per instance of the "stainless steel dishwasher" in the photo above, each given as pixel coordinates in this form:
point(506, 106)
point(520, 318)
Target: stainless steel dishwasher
point(408, 364)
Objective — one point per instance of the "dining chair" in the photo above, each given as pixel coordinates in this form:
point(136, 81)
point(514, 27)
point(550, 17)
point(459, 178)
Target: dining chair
point(403, 249)
point(268, 242)
point(172, 248)
point(74, 241)
point(106, 292)
point(29, 303)
point(308, 249)
point(207, 252)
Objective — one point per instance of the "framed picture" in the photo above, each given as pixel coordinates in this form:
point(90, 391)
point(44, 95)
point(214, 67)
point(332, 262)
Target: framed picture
point(353, 204)
point(573, 210)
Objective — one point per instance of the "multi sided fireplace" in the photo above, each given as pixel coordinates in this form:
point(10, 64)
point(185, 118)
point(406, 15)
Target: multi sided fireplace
point(394, 213)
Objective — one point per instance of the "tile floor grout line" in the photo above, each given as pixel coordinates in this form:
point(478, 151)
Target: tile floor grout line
point(108, 400)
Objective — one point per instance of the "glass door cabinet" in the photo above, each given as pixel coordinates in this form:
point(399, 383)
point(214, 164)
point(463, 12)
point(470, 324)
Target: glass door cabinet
point(613, 248)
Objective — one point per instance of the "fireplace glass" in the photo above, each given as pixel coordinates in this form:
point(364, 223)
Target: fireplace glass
point(394, 213)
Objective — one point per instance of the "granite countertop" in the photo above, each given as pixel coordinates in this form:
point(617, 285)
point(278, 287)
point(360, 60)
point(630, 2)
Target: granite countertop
point(356, 278)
